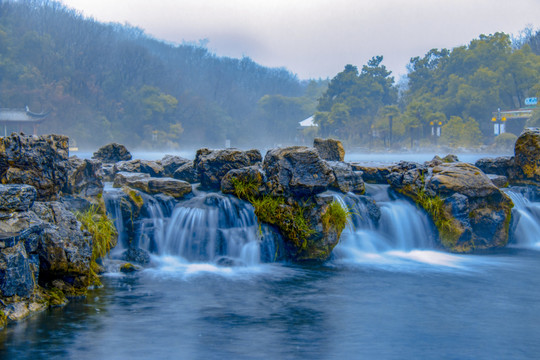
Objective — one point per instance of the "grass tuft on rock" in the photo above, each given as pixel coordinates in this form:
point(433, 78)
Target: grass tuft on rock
point(104, 236)
point(335, 217)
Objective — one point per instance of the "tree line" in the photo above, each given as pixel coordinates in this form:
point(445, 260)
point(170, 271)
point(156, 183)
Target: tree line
point(112, 82)
point(451, 93)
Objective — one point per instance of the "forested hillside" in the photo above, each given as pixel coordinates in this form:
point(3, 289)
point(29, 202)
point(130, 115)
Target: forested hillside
point(456, 90)
point(111, 82)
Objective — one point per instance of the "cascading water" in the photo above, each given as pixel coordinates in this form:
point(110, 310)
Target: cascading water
point(525, 226)
point(388, 230)
point(211, 227)
point(207, 228)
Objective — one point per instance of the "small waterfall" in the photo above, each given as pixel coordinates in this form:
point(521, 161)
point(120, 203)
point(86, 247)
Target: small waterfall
point(384, 228)
point(209, 227)
point(525, 225)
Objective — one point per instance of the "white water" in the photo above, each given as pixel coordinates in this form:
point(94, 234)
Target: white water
point(402, 239)
point(525, 227)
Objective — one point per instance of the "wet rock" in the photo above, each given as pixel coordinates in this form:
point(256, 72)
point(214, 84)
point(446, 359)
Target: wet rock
point(83, 177)
point(136, 255)
point(212, 165)
point(347, 180)
point(527, 157)
point(498, 166)
point(143, 182)
point(152, 168)
point(187, 172)
point(329, 149)
point(124, 178)
point(16, 276)
point(475, 213)
point(407, 177)
point(499, 180)
point(252, 175)
point(64, 250)
point(171, 163)
point(16, 197)
point(296, 171)
point(373, 174)
point(128, 268)
point(40, 161)
point(112, 153)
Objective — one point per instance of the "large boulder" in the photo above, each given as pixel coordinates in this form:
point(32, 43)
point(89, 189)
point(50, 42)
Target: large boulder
point(152, 168)
point(470, 212)
point(296, 171)
point(212, 165)
point(329, 149)
point(527, 157)
point(37, 161)
point(83, 177)
point(112, 153)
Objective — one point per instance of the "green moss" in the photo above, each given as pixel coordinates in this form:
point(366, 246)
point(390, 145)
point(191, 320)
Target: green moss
point(128, 268)
point(290, 219)
point(104, 235)
point(54, 297)
point(335, 217)
point(449, 229)
point(3, 319)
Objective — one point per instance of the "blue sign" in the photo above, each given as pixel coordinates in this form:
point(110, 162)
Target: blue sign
point(531, 101)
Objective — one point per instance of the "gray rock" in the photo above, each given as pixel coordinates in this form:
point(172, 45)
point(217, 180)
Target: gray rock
point(187, 172)
point(329, 149)
point(40, 161)
point(112, 153)
point(347, 179)
point(171, 163)
point(136, 255)
point(152, 168)
point(297, 171)
point(83, 177)
point(16, 197)
point(212, 165)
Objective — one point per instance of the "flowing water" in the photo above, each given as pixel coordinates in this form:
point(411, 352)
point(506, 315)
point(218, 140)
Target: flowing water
point(217, 290)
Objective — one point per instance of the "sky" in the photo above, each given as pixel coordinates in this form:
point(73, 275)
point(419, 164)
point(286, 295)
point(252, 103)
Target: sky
point(317, 38)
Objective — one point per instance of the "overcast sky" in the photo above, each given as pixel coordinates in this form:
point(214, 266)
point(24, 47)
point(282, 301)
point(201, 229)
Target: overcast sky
point(317, 38)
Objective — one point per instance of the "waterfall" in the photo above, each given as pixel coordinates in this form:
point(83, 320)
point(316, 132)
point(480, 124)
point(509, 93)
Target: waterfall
point(525, 225)
point(385, 228)
point(209, 227)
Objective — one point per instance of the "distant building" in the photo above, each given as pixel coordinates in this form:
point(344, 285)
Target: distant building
point(20, 117)
point(513, 121)
point(309, 122)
